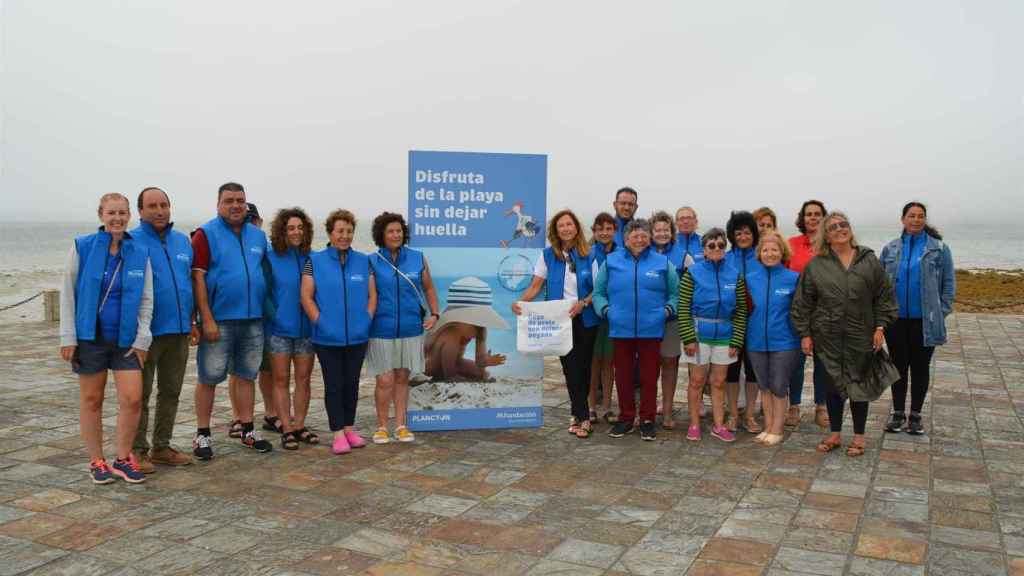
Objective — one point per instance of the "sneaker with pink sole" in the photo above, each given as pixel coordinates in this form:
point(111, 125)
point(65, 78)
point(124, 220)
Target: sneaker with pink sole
point(723, 434)
point(693, 433)
point(340, 445)
point(355, 440)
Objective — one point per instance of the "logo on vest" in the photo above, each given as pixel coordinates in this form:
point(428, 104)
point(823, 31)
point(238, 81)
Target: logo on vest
point(654, 273)
point(136, 273)
point(783, 291)
point(256, 250)
point(357, 278)
point(181, 256)
point(728, 286)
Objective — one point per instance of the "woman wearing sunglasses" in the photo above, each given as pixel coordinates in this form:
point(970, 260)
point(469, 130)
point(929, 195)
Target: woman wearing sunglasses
point(568, 268)
point(712, 325)
point(843, 305)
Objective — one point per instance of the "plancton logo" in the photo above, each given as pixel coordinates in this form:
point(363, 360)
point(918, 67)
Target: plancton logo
point(431, 418)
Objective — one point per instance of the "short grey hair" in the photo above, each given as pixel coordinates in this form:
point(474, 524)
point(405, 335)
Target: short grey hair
point(636, 224)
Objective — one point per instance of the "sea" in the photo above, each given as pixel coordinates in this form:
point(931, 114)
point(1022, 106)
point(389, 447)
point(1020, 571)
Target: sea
point(32, 254)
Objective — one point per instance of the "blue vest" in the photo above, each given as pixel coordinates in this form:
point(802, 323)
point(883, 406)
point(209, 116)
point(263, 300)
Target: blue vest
point(398, 314)
point(93, 251)
point(620, 230)
point(741, 259)
point(636, 294)
point(675, 253)
point(769, 328)
point(289, 320)
point(714, 299)
point(584, 281)
point(171, 260)
point(601, 253)
point(235, 281)
point(689, 244)
point(342, 293)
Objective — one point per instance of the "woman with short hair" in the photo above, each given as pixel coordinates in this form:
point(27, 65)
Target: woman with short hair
point(920, 267)
point(339, 296)
point(106, 308)
point(567, 269)
point(742, 232)
point(664, 240)
point(602, 243)
point(843, 305)
point(288, 329)
point(765, 219)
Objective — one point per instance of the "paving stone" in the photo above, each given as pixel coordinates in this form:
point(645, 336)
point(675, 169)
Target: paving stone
point(890, 548)
point(811, 518)
point(808, 561)
point(874, 567)
point(713, 568)
point(643, 562)
point(944, 560)
point(818, 539)
point(761, 532)
point(19, 556)
point(732, 550)
point(587, 553)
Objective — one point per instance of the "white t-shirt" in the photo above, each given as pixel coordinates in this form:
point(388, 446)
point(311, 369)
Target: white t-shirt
point(540, 270)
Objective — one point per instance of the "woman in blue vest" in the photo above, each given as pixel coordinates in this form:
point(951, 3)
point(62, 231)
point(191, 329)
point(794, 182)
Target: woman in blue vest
point(636, 291)
point(742, 232)
point(663, 236)
point(602, 243)
point(406, 306)
point(712, 326)
point(773, 345)
point(288, 329)
point(567, 267)
point(340, 297)
point(106, 308)
point(920, 266)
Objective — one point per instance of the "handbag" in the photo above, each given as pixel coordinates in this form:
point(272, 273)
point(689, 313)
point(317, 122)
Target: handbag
point(881, 374)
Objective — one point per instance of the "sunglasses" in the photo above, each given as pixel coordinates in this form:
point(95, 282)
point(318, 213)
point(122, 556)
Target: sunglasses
point(838, 225)
point(719, 245)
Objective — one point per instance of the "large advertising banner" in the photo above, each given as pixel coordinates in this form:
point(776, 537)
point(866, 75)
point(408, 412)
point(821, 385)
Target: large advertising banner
point(480, 220)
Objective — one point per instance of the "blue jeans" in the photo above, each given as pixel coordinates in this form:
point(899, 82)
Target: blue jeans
point(239, 352)
point(796, 382)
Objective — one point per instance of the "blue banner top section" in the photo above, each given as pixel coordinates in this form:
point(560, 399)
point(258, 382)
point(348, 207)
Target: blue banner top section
point(477, 199)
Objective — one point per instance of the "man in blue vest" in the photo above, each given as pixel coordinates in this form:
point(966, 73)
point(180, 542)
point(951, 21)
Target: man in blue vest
point(625, 206)
point(229, 288)
point(171, 259)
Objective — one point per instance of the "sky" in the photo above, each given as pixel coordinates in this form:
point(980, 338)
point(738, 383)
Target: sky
point(718, 105)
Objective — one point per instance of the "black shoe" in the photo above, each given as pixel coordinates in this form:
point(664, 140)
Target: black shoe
point(201, 447)
point(647, 430)
point(621, 428)
point(252, 440)
point(914, 426)
point(896, 422)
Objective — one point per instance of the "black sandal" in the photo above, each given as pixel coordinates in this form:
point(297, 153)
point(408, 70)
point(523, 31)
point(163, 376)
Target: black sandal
point(307, 436)
point(273, 424)
point(289, 441)
point(235, 430)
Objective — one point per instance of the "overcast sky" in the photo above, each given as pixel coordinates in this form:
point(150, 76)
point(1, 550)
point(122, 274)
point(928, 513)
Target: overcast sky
point(715, 104)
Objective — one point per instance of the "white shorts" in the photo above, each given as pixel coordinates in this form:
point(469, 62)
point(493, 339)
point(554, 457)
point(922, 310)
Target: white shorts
point(708, 354)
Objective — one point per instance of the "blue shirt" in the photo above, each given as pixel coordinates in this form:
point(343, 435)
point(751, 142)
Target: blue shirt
point(908, 275)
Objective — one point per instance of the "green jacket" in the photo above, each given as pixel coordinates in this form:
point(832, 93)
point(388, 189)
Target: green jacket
point(840, 309)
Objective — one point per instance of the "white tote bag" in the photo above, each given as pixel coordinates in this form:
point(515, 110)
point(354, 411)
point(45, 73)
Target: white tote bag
point(544, 328)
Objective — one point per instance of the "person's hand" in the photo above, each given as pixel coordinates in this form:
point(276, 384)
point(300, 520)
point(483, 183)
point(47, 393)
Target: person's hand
point(668, 313)
point(877, 340)
point(67, 352)
point(807, 345)
point(517, 309)
point(211, 332)
point(691, 348)
point(733, 352)
point(140, 354)
point(193, 335)
point(494, 359)
point(428, 324)
point(577, 308)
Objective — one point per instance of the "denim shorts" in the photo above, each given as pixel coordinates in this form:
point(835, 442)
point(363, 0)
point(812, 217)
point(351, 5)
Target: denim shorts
point(238, 352)
point(92, 357)
point(292, 346)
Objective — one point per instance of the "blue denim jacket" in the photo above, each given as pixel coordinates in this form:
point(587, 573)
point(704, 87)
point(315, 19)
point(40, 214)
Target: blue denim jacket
point(938, 284)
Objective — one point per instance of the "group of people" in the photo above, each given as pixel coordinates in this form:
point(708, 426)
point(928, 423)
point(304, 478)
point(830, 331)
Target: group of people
point(744, 300)
point(643, 293)
point(133, 301)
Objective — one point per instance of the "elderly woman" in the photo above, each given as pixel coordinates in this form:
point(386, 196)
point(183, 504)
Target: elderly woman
point(106, 308)
point(920, 266)
point(635, 290)
point(288, 329)
point(567, 268)
point(339, 296)
point(742, 232)
point(406, 306)
point(712, 326)
point(665, 242)
point(843, 305)
point(772, 346)
point(801, 247)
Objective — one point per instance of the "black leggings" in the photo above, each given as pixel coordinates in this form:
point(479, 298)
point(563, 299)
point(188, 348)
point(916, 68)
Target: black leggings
point(906, 343)
point(341, 366)
point(835, 404)
point(576, 367)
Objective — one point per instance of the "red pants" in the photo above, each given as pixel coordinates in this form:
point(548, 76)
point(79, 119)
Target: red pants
point(637, 356)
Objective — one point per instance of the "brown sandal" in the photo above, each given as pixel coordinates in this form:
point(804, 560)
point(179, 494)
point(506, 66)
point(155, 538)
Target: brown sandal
point(828, 444)
point(574, 426)
point(855, 450)
point(584, 429)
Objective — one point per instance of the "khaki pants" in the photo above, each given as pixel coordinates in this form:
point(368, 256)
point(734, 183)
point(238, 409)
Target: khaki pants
point(168, 356)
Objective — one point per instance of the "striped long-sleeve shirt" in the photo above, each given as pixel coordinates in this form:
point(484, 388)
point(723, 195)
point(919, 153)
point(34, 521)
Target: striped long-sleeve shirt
point(687, 329)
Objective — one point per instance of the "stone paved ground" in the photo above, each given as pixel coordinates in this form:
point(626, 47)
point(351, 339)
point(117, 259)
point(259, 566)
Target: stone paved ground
point(531, 501)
